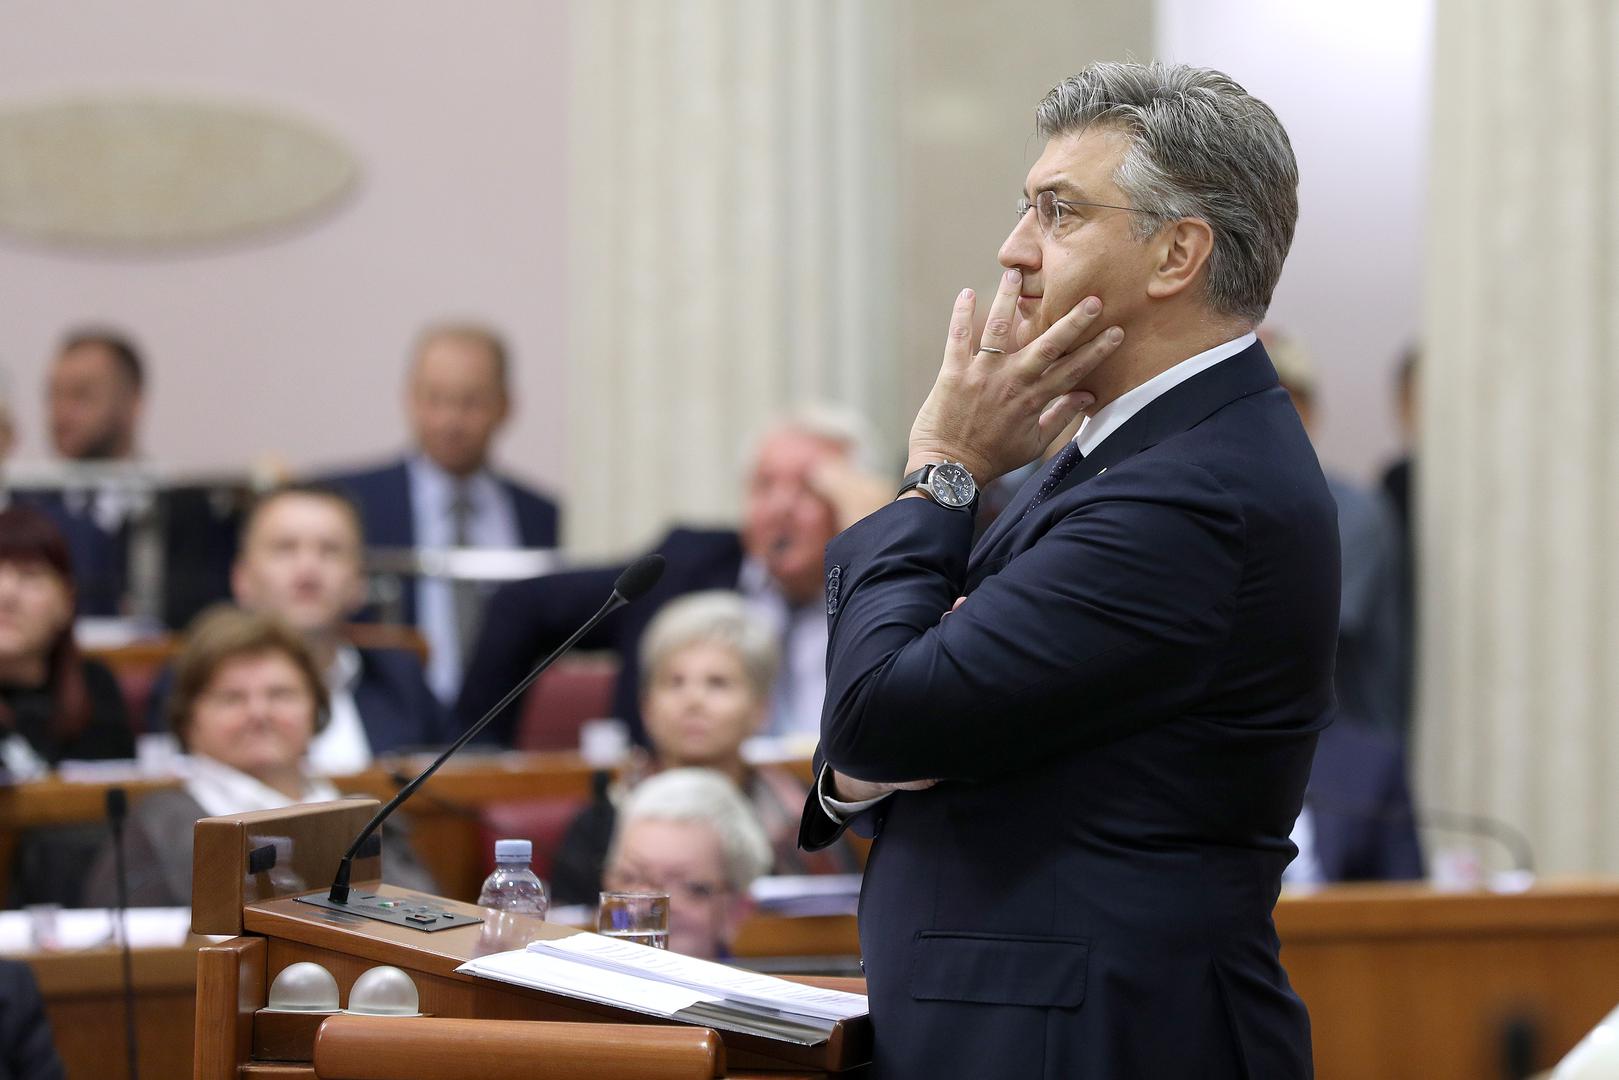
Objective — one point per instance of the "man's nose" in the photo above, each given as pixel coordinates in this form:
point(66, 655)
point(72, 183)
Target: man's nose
point(1021, 250)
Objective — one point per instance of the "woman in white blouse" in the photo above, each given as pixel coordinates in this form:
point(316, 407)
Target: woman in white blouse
point(247, 700)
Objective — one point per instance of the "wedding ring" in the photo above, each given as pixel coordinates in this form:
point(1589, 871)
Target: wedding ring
point(992, 349)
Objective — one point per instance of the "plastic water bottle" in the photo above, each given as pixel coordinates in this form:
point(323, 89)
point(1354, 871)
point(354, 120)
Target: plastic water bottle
point(513, 886)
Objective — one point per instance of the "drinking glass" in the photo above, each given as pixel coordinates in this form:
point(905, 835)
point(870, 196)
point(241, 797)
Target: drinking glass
point(641, 917)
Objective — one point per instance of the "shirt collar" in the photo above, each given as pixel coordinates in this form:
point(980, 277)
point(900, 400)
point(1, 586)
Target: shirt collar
point(429, 477)
point(1109, 418)
point(344, 671)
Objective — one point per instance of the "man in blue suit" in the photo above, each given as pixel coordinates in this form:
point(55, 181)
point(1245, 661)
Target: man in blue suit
point(445, 493)
point(1082, 743)
point(300, 560)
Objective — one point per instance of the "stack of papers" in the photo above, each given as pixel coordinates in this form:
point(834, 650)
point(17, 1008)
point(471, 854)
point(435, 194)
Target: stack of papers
point(595, 968)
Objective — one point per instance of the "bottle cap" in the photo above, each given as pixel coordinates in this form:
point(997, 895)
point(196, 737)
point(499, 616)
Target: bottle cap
point(514, 849)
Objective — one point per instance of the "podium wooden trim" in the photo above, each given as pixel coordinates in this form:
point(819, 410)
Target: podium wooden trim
point(381, 1048)
point(276, 930)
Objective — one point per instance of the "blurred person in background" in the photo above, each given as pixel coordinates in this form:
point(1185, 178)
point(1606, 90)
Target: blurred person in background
point(54, 703)
point(707, 666)
point(300, 561)
point(691, 834)
point(1399, 481)
point(1357, 823)
point(446, 493)
point(248, 699)
point(805, 482)
point(95, 395)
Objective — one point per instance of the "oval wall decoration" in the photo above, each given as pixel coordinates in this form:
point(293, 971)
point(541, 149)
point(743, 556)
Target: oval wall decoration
point(141, 172)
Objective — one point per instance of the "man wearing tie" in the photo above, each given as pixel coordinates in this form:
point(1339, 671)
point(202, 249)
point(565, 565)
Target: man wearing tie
point(446, 493)
point(1082, 743)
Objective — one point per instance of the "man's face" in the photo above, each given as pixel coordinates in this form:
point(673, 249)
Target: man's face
point(456, 403)
point(93, 408)
point(301, 561)
point(685, 860)
point(785, 525)
point(701, 706)
point(1093, 252)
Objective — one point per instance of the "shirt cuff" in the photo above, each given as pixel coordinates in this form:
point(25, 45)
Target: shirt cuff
point(836, 809)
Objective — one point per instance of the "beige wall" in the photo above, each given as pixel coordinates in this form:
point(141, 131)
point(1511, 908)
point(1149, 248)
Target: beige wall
point(293, 345)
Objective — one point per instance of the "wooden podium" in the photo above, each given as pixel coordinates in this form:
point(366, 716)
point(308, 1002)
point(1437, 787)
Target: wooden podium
point(249, 870)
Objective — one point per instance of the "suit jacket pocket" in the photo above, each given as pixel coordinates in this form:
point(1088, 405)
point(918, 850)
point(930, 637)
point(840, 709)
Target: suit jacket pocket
point(999, 969)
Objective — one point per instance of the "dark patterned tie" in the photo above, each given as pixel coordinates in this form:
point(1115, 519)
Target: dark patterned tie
point(1061, 466)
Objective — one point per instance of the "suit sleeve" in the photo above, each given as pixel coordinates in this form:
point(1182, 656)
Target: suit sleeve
point(1107, 624)
point(523, 622)
point(29, 1049)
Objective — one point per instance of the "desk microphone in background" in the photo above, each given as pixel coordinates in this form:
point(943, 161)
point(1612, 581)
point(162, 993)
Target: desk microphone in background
point(117, 810)
point(633, 583)
point(1511, 839)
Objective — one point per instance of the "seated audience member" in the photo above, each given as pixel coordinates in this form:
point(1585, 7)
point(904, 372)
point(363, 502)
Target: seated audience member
point(1357, 823)
point(300, 561)
point(248, 698)
point(445, 491)
point(1398, 482)
point(1371, 639)
point(691, 834)
point(707, 667)
point(95, 395)
point(775, 562)
point(54, 703)
point(27, 1050)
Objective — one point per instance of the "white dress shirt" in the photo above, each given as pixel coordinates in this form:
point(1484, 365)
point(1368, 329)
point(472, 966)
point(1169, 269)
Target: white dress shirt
point(491, 523)
point(795, 700)
point(1093, 431)
point(1306, 870)
point(342, 745)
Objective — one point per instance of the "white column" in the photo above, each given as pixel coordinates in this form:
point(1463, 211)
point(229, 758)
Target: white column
point(1519, 471)
point(730, 244)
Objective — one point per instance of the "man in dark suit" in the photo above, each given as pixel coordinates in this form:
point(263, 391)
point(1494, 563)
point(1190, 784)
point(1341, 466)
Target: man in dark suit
point(95, 396)
point(300, 560)
point(775, 561)
point(1081, 744)
point(446, 493)
point(1357, 823)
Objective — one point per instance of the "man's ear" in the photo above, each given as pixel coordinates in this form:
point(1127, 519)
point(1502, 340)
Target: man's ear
point(1183, 248)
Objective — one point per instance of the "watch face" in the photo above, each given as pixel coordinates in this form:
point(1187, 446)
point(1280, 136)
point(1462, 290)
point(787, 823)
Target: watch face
point(951, 485)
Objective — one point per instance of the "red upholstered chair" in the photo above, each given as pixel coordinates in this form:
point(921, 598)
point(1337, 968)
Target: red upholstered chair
point(576, 689)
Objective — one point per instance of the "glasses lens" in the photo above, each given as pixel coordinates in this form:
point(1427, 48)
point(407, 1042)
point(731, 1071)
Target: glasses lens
point(1047, 212)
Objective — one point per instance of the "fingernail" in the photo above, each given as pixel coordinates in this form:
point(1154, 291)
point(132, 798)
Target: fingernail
point(1091, 306)
point(1010, 277)
point(966, 294)
point(1115, 335)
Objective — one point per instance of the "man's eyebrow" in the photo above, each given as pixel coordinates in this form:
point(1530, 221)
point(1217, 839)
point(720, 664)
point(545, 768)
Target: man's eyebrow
point(1063, 189)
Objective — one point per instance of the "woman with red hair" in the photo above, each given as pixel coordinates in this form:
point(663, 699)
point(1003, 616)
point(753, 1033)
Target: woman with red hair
point(54, 703)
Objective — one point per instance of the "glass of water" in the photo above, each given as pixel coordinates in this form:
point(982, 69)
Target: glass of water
point(641, 917)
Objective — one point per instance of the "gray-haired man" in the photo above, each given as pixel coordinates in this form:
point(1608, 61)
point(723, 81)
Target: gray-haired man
point(1083, 777)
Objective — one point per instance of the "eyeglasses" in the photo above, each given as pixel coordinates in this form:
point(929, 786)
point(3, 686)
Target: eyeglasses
point(1049, 211)
point(625, 880)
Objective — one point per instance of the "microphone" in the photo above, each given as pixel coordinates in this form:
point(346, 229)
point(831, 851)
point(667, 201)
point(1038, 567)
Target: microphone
point(117, 809)
point(1511, 839)
point(636, 580)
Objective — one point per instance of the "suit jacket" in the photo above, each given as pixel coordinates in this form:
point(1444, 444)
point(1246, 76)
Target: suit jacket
point(27, 1051)
point(527, 619)
point(1360, 805)
point(1123, 714)
point(397, 709)
point(1371, 634)
point(383, 496)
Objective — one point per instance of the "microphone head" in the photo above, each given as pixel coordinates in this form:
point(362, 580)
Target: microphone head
point(117, 803)
point(639, 576)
